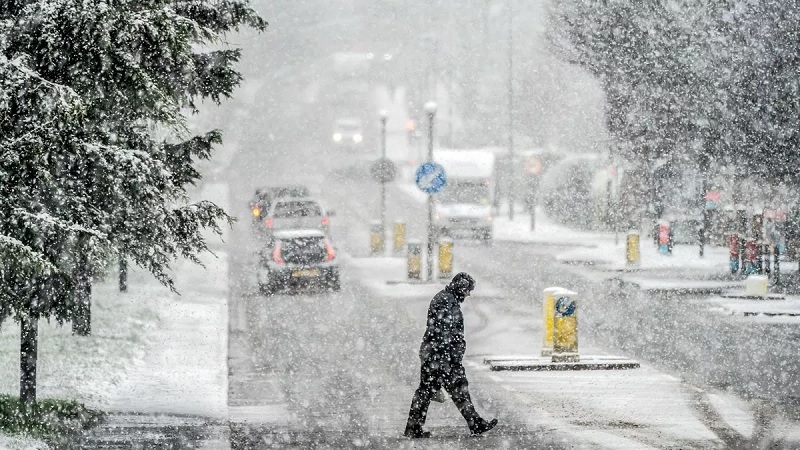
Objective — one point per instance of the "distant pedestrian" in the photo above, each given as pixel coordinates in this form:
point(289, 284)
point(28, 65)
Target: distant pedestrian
point(441, 354)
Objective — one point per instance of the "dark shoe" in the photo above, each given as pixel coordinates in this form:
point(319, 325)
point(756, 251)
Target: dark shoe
point(416, 433)
point(483, 426)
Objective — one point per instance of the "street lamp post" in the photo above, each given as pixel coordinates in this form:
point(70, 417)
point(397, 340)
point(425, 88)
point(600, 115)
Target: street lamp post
point(430, 109)
point(383, 116)
point(512, 176)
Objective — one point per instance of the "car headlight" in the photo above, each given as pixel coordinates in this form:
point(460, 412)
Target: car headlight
point(337, 137)
point(357, 138)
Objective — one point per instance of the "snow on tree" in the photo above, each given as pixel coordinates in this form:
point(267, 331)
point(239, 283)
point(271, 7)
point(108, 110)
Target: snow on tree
point(83, 178)
point(692, 82)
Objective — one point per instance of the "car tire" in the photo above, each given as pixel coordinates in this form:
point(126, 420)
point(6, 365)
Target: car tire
point(267, 288)
point(333, 283)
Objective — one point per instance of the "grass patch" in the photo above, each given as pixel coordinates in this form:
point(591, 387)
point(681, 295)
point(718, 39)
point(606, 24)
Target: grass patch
point(52, 420)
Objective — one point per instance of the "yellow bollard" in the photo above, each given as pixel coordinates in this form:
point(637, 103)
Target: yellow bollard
point(548, 305)
point(376, 238)
point(414, 260)
point(632, 256)
point(445, 258)
point(399, 236)
point(565, 328)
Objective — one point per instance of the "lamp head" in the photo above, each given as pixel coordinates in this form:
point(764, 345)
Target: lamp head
point(430, 107)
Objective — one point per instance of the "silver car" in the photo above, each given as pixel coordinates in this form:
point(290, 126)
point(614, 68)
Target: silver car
point(296, 214)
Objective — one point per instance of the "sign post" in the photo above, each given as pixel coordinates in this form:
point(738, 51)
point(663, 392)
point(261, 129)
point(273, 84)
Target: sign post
point(712, 198)
point(533, 167)
point(430, 178)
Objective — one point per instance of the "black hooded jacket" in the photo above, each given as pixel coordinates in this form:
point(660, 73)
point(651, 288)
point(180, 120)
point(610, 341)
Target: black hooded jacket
point(444, 336)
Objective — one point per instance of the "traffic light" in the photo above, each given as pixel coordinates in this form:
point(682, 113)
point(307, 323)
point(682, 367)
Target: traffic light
point(411, 130)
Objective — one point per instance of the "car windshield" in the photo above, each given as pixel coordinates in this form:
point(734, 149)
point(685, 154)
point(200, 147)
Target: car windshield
point(465, 192)
point(297, 209)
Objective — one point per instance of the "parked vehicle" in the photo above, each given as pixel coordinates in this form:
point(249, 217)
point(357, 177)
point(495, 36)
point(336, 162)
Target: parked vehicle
point(464, 207)
point(295, 259)
point(264, 196)
point(296, 213)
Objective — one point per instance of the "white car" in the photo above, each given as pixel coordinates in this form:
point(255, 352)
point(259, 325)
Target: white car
point(348, 132)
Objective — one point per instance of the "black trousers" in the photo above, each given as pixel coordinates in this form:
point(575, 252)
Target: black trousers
point(436, 373)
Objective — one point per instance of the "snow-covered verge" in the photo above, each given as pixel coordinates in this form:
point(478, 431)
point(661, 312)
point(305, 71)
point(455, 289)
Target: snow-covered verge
point(150, 350)
point(88, 368)
point(21, 443)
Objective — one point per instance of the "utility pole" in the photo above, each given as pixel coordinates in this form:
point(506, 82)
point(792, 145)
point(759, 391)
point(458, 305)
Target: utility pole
point(383, 117)
point(430, 108)
point(512, 181)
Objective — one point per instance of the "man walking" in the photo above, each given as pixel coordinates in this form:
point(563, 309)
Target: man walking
point(441, 354)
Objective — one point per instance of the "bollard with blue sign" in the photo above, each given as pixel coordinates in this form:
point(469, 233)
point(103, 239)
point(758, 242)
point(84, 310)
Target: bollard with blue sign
point(565, 328)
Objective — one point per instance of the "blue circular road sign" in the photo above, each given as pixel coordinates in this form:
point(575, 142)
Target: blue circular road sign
point(565, 307)
point(431, 178)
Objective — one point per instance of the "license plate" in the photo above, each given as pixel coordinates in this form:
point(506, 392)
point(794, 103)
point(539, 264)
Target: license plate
point(305, 273)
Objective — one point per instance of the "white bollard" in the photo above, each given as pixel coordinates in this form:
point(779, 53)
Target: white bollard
point(756, 286)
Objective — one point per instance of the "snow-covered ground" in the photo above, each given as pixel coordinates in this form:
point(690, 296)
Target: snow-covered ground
point(154, 351)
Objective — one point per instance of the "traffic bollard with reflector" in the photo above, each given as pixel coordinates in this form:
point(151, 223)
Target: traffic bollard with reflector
point(399, 237)
point(733, 252)
point(376, 238)
point(664, 237)
point(414, 259)
point(445, 258)
point(548, 309)
point(632, 255)
point(750, 255)
point(565, 328)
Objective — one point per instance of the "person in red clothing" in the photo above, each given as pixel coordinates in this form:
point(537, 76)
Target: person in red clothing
point(441, 355)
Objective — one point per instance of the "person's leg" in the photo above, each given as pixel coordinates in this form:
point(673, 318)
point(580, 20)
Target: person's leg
point(458, 387)
point(428, 384)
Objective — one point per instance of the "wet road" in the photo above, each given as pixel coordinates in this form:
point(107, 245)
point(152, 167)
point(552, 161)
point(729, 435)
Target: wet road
point(332, 370)
point(337, 370)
